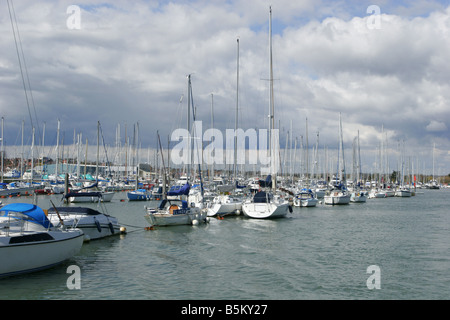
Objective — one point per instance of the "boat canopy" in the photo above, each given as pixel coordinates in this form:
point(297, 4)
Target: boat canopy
point(184, 204)
point(179, 191)
point(262, 197)
point(31, 211)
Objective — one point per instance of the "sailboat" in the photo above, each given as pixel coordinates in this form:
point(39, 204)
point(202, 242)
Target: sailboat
point(305, 198)
point(264, 204)
point(174, 208)
point(225, 204)
point(340, 194)
point(176, 211)
point(359, 195)
point(403, 190)
point(87, 195)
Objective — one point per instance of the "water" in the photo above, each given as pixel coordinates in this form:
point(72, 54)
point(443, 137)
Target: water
point(315, 253)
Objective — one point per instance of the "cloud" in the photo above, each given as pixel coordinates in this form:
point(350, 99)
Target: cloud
point(436, 126)
point(129, 62)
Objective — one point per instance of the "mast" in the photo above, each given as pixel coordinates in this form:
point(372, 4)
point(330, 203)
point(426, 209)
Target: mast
point(189, 129)
point(57, 152)
point(98, 148)
point(32, 157)
point(212, 127)
point(272, 109)
point(237, 112)
point(359, 162)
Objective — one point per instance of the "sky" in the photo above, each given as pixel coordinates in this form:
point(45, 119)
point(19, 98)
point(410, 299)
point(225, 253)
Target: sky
point(383, 65)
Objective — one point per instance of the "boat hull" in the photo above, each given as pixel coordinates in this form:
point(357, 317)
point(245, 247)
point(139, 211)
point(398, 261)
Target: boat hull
point(106, 197)
point(224, 205)
point(403, 193)
point(305, 202)
point(196, 215)
point(265, 210)
point(338, 199)
point(138, 196)
point(358, 198)
point(33, 256)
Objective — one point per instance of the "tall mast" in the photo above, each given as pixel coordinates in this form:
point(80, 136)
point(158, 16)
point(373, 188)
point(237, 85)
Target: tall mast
point(189, 128)
point(237, 112)
point(57, 151)
point(272, 108)
point(98, 148)
point(212, 127)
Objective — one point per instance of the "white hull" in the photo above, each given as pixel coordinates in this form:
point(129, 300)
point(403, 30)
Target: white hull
point(196, 215)
point(403, 193)
point(106, 197)
point(390, 193)
point(265, 210)
point(93, 227)
point(305, 202)
point(358, 197)
point(37, 255)
point(377, 194)
point(224, 205)
point(337, 198)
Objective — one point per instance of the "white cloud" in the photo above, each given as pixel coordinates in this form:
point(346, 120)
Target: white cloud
point(136, 55)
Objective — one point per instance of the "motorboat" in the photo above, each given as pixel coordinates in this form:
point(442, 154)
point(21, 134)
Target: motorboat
point(95, 225)
point(29, 242)
point(305, 198)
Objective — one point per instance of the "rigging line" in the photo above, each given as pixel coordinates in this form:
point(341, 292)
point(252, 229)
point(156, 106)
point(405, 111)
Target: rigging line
point(26, 72)
point(20, 63)
point(104, 147)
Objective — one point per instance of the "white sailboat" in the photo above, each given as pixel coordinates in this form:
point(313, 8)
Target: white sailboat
point(173, 210)
point(305, 198)
point(224, 204)
point(402, 190)
point(339, 195)
point(264, 204)
point(86, 196)
point(358, 195)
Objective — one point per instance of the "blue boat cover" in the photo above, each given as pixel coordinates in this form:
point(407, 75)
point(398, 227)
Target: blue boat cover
point(179, 191)
point(239, 186)
point(33, 212)
point(266, 183)
point(262, 197)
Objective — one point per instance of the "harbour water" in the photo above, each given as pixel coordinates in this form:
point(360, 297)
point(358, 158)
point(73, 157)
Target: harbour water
point(321, 253)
